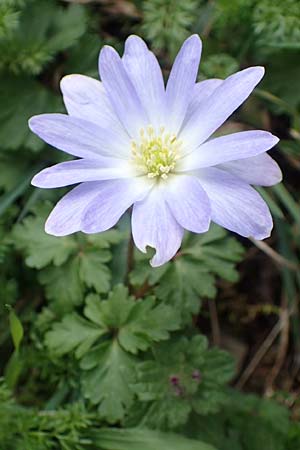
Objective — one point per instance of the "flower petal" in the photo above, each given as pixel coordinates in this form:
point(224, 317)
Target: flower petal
point(180, 86)
point(78, 171)
point(85, 97)
point(121, 92)
point(235, 205)
point(188, 202)
point(201, 92)
point(225, 99)
point(260, 170)
point(145, 74)
point(113, 199)
point(154, 225)
point(229, 148)
point(66, 217)
point(79, 137)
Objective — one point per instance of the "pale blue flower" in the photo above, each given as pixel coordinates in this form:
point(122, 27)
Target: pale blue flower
point(145, 145)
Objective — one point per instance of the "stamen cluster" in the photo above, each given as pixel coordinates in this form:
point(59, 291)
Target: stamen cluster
point(156, 152)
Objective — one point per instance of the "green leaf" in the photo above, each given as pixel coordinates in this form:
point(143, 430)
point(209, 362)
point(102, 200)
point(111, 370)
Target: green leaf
point(273, 205)
point(66, 26)
point(13, 369)
point(112, 331)
point(147, 323)
point(121, 255)
point(40, 248)
point(71, 264)
point(89, 46)
point(10, 197)
point(12, 171)
point(219, 66)
point(191, 275)
point(44, 29)
point(276, 24)
point(93, 271)
point(104, 239)
point(15, 363)
point(106, 382)
point(287, 200)
point(112, 313)
point(142, 439)
point(16, 329)
point(9, 19)
point(185, 284)
point(167, 24)
point(280, 78)
point(246, 422)
point(23, 98)
point(63, 285)
point(72, 333)
point(136, 323)
point(183, 376)
point(139, 322)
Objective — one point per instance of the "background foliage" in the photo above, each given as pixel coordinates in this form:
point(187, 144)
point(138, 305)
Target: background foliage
point(99, 350)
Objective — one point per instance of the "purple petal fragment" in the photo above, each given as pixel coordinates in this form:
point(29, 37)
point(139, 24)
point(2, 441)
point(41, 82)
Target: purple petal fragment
point(235, 205)
point(85, 98)
point(79, 137)
point(153, 225)
point(225, 99)
point(260, 170)
point(229, 148)
point(121, 92)
point(201, 92)
point(114, 197)
point(66, 217)
point(81, 170)
point(188, 203)
point(181, 82)
point(145, 74)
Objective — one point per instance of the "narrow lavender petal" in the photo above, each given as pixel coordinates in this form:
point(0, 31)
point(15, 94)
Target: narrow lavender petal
point(235, 205)
point(153, 225)
point(201, 92)
point(188, 203)
point(79, 137)
point(81, 170)
point(229, 148)
point(145, 74)
point(113, 199)
point(260, 170)
point(85, 97)
point(121, 92)
point(225, 99)
point(66, 217)
point(180, 86)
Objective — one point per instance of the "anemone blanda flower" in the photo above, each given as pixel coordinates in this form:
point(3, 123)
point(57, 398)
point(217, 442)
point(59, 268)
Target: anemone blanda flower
point(145, 145)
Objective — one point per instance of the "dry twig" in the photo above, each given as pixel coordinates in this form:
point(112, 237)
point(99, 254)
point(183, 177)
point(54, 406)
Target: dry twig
point(214, 321)
point(260, 354)
point(282, 348)
point(279, 259)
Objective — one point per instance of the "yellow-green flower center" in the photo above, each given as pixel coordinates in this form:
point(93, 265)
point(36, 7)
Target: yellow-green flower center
point(156, 152)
